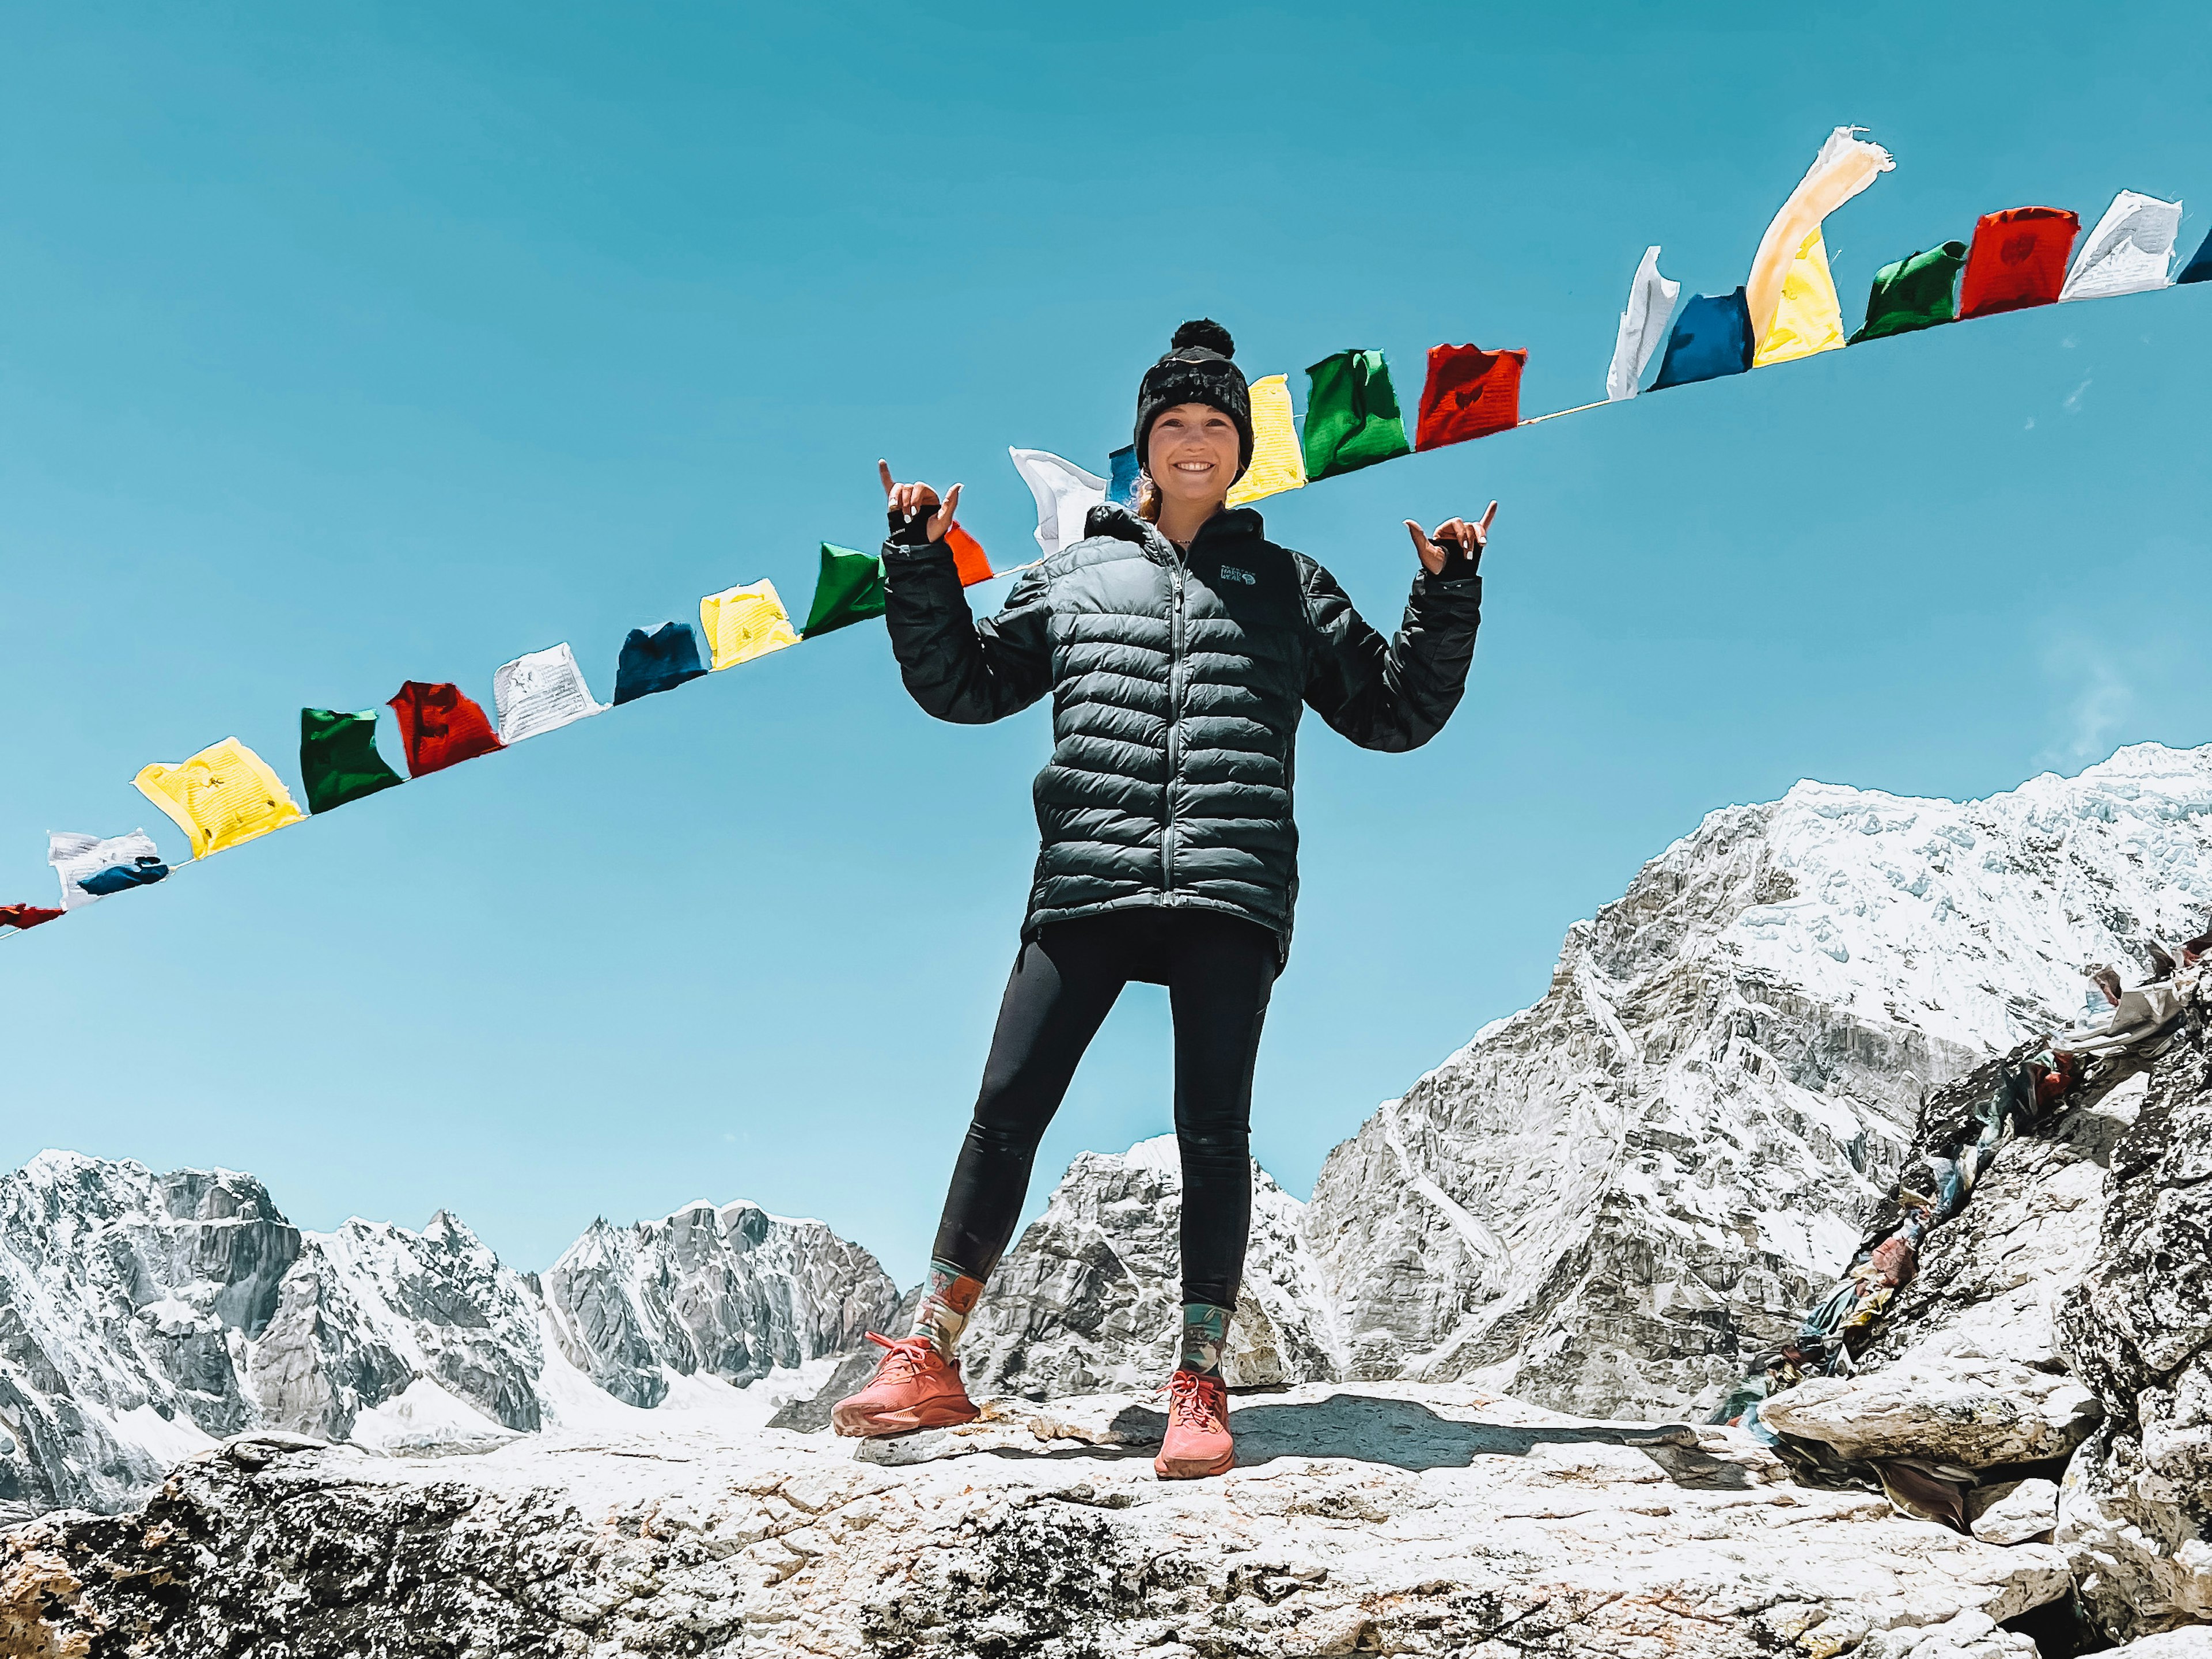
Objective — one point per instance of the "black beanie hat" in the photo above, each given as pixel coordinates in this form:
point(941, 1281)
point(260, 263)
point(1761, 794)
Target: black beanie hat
point(1197, 370)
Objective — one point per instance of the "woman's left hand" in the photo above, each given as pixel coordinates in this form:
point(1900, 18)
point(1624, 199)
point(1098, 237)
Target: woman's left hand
point(1453, 536)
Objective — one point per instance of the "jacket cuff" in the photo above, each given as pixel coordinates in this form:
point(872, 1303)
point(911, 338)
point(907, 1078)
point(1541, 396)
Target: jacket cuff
point(1462, 587)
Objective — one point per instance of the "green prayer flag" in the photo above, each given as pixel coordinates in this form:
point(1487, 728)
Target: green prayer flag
point(339, 761)
point(1351, 415)
point(849, 590)
point(1917, 292)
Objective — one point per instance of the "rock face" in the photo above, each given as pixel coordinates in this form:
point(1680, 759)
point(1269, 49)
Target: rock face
point(1460, 1524)
point(2136, 1509)
point(1604, 1203)
point(733, 1291)
point(1090, 1297)
point(144, 1316)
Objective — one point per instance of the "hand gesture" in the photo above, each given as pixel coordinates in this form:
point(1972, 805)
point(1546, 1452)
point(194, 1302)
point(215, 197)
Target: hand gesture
point(906, 499)
point(1452, 536)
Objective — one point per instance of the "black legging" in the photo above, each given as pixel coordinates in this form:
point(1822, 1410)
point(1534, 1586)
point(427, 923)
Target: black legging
point(1218, 970)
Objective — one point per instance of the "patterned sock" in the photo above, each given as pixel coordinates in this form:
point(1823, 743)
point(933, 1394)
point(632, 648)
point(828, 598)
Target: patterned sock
point(1204, 1334)
point(946, 1301)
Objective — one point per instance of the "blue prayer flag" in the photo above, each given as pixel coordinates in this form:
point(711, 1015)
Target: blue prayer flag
point(658, 661)
point(2199, 268)
point(141, 872)
point(1712, 337)
point(1122, 486)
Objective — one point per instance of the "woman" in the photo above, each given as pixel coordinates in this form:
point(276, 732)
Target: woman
point(1179, 646)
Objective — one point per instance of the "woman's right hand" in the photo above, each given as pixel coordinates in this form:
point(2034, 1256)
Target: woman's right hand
point(907, 500)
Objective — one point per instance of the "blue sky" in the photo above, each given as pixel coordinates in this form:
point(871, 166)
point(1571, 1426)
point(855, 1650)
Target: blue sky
point(385, 343)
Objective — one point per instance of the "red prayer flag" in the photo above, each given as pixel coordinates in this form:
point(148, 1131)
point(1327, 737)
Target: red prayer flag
point(2017, 259)
point(968, 557)
point(25, 915)
point(439, 727)
point(1470, 393)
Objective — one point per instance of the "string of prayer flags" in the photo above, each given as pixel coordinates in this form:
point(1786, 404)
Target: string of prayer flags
point(22, 918)
point(968, 558)
point(221, 796)
point(658, 661)
point(339, 761)
point(541, 691)
point(439, 727)
point(1846, 165)
point(743, 622)
point(1469, 393)
point(1712, 337)
point(1916, 292)
point(2017, 259)
point(850, 589)
point(2199, 268)
point(1643, 325)
point(1065, 494)
point(2130, 252)
point(90, 867)
point(1351, 415)
point(1809, 319)
point(1277, 461)
point(1121, 470)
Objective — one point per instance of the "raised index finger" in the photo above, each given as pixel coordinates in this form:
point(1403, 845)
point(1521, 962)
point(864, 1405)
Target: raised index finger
point(885, 467)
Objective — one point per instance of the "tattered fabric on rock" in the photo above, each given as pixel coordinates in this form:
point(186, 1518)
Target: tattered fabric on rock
point(1469, 393)
point(1807, 318)
point(21, 918)
point(440, 725)
point(2017, 259)
point(1711, 338)
point(744, 623)
point(1917, 292)
point(1065, 494)
point(223, 796)
point(339, 761)
point(850, 589)
point(541, 691)
point(90, 867)
point(1846, 165)
point(1643, 325)
point(658, 661)
point(1278, 462)
point(1351, 415)
point(2130, 252)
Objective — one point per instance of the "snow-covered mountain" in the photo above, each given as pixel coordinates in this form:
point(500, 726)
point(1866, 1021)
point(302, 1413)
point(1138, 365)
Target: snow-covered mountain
point(1600, 1203)
point(144, 1315)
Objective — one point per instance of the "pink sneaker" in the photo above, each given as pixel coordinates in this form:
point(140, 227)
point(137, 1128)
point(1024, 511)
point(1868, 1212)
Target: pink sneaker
point(1198, 1443)
point(914, 1387)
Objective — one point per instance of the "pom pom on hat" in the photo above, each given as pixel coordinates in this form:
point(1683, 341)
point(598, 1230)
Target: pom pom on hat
point(1205, 332)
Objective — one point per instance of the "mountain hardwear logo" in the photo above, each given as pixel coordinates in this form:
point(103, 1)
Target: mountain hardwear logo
point(1230, 573)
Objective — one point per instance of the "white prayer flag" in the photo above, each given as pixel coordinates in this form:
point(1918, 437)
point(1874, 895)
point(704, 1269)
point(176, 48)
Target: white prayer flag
point(76, 857)
point(2130, 251)
point(1065, 496)
point(540, 692)
point(1846, 165)
point(1643, 326)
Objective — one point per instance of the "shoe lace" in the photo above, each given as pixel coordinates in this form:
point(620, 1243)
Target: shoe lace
point(902, 1359)
point(1190, 1402)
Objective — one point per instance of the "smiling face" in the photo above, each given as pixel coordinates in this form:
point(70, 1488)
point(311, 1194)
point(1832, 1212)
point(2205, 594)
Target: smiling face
point(1193, 450)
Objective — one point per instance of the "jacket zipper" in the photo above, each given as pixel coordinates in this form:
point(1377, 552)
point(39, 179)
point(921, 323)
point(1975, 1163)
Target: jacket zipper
point(1174, 721)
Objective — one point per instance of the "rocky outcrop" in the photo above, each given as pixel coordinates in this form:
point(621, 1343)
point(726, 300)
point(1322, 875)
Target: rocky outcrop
point(144, 1316)
point(1090, 1297)
point(734, 1292)
point(1376, 1519)
point(2136, 1509)
point(1607, 1202)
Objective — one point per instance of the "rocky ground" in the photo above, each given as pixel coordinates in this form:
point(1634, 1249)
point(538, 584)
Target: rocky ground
point(1372, 1518)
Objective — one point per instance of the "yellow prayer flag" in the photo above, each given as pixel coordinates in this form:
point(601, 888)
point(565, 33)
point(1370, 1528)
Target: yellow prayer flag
point(1808, 320)
point(221, 796)
point(1278, 462)
point(741, 623)
point(1846, 165)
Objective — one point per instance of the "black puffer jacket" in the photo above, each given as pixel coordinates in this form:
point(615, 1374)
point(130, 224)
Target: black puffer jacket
point(1177, 682)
